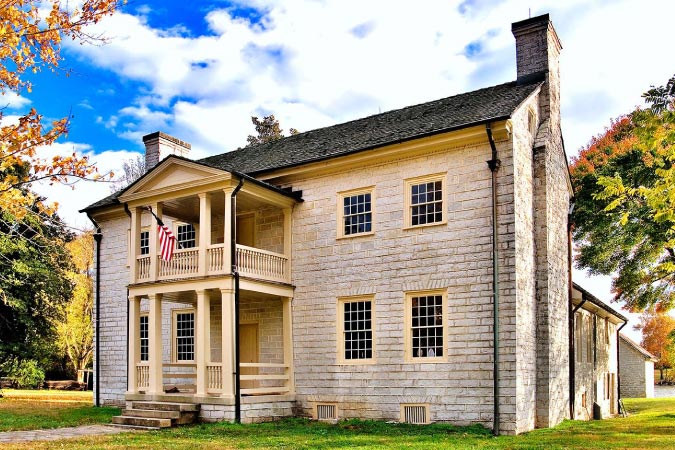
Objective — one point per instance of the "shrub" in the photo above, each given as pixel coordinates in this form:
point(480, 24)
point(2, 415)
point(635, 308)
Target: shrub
point(24, 373)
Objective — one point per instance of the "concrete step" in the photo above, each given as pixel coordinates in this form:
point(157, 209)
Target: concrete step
point(151, 413)
point(165, 406)
point(142, 421)
point(134, 427)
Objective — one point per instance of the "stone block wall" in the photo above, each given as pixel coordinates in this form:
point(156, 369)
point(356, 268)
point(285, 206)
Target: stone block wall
point(637, 373)
point(456, 257)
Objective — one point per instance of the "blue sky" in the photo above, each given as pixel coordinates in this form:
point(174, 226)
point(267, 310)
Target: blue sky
point(199, 70)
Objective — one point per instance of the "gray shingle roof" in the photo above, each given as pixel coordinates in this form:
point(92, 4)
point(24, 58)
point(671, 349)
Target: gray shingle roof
point(450, 113)
point(413, 122)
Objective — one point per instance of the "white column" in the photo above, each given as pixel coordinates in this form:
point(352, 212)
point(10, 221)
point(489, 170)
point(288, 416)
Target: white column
point(133, 357)
point(154, 244)
point(203, 344)
point(228, 342)
point(288, 341)
point(155, 344)
point(288, 241)
point(134, 237)
point(227, 232)
point(204, 231)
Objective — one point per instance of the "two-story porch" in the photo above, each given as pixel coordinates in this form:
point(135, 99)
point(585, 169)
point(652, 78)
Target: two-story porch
point(216, 316)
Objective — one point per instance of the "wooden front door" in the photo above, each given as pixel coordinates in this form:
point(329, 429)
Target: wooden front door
point(248, 352)
point(246, 230)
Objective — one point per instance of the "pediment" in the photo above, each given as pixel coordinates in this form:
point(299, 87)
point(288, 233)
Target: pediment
point(173, 174)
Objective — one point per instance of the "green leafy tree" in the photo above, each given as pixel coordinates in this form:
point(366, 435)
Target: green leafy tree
point(624, 217)
point(268, 130)
point(34, 286)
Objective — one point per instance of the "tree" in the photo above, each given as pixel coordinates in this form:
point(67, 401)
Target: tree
point(657, 329)
point(30, 41)
point(268, 130)
point(74, 328)
point(624, 216)
point(133, 169)
point(34, 286)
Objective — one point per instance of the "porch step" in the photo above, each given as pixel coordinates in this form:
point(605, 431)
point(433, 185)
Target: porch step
point(157, 415)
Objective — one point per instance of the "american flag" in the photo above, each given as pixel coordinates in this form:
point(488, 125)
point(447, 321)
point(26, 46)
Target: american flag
point(166, 242)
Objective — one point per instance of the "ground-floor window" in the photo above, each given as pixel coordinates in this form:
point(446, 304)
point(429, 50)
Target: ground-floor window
point(184, 335)
point(145, 337)
point(425, 325)
point(355, 329)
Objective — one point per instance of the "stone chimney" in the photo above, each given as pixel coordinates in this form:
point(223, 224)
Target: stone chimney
point(538, 57)
point(159, 145)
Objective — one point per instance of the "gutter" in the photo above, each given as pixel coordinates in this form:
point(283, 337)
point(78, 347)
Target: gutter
point(494, 164)
point(235, 274)
point(98, 236)
point(618, 369)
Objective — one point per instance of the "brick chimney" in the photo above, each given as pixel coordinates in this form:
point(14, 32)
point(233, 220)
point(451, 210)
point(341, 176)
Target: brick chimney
point(538, 57)
point(159, 145)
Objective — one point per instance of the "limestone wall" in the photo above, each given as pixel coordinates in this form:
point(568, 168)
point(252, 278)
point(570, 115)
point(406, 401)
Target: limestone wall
point(637, 373)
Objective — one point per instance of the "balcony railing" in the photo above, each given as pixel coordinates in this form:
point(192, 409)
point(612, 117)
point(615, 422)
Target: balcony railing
point(253, 262)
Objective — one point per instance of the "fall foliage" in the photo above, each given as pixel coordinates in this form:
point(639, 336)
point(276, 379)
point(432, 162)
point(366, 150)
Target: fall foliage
point(31, 33)
point(657, 329)
point(624, 216)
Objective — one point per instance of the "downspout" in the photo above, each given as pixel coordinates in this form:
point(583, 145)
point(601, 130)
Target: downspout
point(235, 274)
point(570, 309)
point(494, 164)
point(98, 236)
point(618, 370)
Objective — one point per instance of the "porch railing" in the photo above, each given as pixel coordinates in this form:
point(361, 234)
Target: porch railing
point(214, 378)
point(263, 264)
point(274, 379)
point(253, 262)
point(143, 375)
point(184, 263)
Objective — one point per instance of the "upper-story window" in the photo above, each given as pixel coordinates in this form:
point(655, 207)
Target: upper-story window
point(186, 236)
point(425, 201)
point(355, 212)
point(145, 242)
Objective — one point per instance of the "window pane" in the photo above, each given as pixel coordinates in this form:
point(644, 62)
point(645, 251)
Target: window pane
point(426, 202)
point(186, 236)
point(357, 214)
point(358, 333)
point(145, 242)
point(185, 336)
point(427, 326)
point(144, 338)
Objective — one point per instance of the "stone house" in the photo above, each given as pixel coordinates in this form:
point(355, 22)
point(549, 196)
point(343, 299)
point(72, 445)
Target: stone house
point(637, 369)
point(596, 356)
point(378, 268)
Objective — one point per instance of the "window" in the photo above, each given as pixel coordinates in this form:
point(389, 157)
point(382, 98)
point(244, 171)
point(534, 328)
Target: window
point(355, 212)
point(425, 201)
point(589, 339)
point(145, 242)
point(186, 236)
point(355, 329)
point(145, 339)
point(425, 334)
point(184, 335)
point(578, 335)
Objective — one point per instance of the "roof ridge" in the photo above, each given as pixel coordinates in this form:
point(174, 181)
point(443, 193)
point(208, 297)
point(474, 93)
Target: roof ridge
point(637, 346)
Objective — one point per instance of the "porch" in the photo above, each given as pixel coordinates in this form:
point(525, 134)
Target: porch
point(184, 347)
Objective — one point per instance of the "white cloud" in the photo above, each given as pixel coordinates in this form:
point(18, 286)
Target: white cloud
point(13, 101)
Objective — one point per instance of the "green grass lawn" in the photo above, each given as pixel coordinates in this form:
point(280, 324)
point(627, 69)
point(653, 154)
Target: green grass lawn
point(650, 425)
point(32, 410)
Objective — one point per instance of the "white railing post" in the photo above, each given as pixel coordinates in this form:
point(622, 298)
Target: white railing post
point(227, 296)
point(155, 344)
point(203, 348)
point(204, 230)
point(154, 244)
point(288, 341)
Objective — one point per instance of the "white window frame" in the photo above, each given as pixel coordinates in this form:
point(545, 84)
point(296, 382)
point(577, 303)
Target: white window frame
point(408, 326)
point(341, 301)
point(174, 335)
point(341, 216)
point(140, 242)
point(144, 315)
point(407, 195)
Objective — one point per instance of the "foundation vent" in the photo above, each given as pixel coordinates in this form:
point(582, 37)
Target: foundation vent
point(326, 411)
point(415, 414)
